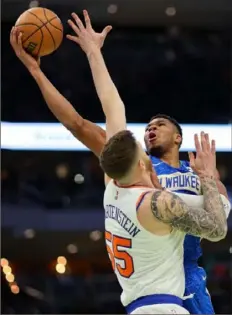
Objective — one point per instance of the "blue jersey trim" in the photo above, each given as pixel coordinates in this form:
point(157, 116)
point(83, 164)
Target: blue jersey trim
point(152, 300)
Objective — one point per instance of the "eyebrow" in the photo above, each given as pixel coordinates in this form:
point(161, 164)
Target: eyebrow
point(159, 120)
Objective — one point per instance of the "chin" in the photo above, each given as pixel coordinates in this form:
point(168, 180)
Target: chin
point(157, 151)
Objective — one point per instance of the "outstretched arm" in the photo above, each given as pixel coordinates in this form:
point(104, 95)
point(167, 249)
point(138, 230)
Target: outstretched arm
point(87, 132)
point(91, 135)
point(209, 223)
point(112, 104)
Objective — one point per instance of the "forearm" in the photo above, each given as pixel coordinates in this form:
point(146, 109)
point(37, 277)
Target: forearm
point(212, 200)
point(112, 104)
point(85, 131)
point(171, 209)
point(198, 201)
point(221, 188)
point(56, 102)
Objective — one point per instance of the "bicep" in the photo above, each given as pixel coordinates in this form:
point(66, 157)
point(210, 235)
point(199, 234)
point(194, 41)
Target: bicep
point(91, 135)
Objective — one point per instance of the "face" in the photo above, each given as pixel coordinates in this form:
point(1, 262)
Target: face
point(161, 136)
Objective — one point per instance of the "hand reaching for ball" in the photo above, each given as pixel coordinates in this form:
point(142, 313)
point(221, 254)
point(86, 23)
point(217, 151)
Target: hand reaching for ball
point(16, 42)
point(86, 37)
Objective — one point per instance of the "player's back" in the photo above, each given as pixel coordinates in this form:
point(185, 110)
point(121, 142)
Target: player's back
point(144, 263)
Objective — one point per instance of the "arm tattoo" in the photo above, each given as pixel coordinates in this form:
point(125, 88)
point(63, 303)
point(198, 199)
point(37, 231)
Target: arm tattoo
point(212, 201)
point(171, 209)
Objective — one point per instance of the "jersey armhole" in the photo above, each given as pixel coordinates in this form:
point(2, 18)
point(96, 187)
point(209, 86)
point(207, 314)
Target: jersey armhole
point(141, 198)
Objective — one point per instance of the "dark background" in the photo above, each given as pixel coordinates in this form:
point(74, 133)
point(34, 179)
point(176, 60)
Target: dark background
point(179, 65)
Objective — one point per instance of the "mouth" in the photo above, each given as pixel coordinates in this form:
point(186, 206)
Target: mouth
point(152, 137)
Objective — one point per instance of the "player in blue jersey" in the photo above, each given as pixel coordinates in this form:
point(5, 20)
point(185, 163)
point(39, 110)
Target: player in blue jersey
point(163, 138)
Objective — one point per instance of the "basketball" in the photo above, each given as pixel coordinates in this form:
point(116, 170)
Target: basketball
point(42, 31)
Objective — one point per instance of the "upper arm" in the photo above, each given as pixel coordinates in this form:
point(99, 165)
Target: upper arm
point(90, 134)
point(172, 210)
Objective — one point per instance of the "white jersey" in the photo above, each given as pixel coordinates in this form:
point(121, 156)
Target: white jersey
point(144, 263)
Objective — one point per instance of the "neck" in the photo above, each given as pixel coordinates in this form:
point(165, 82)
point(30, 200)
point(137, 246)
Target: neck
point(172, 158)
point(139, 180)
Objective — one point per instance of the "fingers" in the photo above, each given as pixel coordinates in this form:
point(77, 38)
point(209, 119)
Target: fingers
point(74, 27)
point(73, 38)
point(16, 41)
point(203, 142)
point(207, 142)
point(213, 147)
point(20, 40)
point(78, 21)
point(87, 19)
point(13, 38)
point(197, 143)
point(106, 30)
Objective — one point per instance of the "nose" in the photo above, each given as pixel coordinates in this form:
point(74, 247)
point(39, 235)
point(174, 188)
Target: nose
point(152, 128)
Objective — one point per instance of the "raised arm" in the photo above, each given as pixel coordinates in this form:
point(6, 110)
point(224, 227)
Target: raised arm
point(85, 131)
point(112, 104)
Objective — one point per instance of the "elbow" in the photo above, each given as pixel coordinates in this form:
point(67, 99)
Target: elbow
point(74, 125)
point(219, 234)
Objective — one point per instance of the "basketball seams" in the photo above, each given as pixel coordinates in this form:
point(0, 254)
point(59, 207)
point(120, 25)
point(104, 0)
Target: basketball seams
point(57, 28)
point(45, 25)
point(45, 14)
point(41, 42)
point(54, 42)
point(38, 27)
point(42, 36)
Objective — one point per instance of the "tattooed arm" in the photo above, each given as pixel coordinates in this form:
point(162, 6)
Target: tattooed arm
point(209, 223)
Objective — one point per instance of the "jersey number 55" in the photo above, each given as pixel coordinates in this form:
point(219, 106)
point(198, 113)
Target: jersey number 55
point(121, 260)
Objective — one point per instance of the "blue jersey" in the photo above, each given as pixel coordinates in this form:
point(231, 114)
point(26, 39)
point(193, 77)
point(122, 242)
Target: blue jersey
point(182, 180)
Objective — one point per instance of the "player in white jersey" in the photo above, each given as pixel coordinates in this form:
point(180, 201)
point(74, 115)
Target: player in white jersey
point(145, 227)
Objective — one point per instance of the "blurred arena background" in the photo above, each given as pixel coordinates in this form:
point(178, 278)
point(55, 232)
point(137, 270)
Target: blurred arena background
point(171, 57)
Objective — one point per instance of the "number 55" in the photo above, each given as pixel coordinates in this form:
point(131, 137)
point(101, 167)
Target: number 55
point(126, 268)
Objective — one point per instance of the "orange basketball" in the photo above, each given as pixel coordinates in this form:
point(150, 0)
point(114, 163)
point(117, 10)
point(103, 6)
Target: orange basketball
point(42, 31)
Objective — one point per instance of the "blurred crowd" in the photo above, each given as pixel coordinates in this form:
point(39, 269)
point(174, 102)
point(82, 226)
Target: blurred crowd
point(53, 180)
point(43, 183)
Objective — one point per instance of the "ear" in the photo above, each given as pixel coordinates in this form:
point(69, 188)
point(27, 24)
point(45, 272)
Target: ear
point(142, 164)
point(178, 139)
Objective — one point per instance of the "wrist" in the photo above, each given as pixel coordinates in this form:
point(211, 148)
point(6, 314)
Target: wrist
point(207, 174)
point(34, 71)
point(92, 51)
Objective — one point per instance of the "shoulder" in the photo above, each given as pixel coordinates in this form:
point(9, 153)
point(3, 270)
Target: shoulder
point(154, 160)
point(146, 216)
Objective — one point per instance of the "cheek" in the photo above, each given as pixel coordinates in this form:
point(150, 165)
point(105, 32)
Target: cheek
point(146, 139)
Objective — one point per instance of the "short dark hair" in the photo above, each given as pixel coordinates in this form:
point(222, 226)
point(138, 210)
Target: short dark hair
point(119, 154)
point(172, 120)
